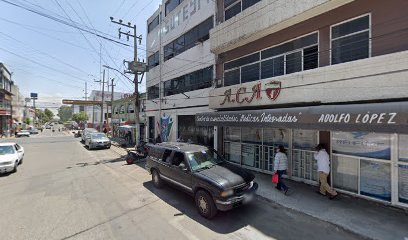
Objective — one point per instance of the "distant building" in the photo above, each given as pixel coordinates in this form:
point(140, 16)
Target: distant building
point(5, 99)
point(17, 104)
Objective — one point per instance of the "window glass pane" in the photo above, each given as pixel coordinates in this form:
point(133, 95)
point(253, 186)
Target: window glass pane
point(232, 133)
point(375, 179)
point(247, 3)
point(351, 27)
point(403, 148)
point(229, 2)
point(231, 77)
point(403, 183)
point(204, 29)
point(304, 139)
point(168, 51)
point(252, 135)
point(345, 173)
point(267, 69)
point(290, 46)
point(242, 61)
point(350, 48)
point(273, 136)
point(278, 66)
point(310, 58)
point(179, 45)
point(250, 73)
point(172, 4)
point(234, 10)
point(250, 154)
point(131, 108)
point(191, 38)
point(363, 144)
point(294, 62)
point(153, 92)
point(232, 152)
point(153, 24)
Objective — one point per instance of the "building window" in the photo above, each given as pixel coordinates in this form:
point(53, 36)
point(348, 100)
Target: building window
point(131, 108)
point(233, 7)
point(193, 81)
point(153, 60)
point(153, 92)
point(171, 5)
point(122, 109)
point(199, 33)
point(153, 24)
point(350, 40)
point(116, 110)
point(293, 56)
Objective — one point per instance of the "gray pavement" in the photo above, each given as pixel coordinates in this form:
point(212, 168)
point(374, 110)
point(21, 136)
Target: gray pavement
point(64, 191)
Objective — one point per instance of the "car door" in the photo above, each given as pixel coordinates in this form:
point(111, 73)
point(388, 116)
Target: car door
point(180, 171)
point(164, 163)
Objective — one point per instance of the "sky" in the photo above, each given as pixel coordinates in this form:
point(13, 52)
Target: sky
point(55, 60)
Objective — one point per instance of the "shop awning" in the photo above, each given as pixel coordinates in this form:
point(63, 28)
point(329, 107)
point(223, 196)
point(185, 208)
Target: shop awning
point(373, 117)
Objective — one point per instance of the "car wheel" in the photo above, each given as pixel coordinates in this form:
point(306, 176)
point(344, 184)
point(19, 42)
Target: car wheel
point(156, 179)
point(205, 204)
point(21, 162)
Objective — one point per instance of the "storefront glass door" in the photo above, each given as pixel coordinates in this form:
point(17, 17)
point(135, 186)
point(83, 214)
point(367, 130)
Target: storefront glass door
point(303, 164)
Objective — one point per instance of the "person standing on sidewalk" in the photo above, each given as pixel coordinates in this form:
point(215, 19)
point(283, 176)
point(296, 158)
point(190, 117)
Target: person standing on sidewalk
point(323, 167)
point(280, 166)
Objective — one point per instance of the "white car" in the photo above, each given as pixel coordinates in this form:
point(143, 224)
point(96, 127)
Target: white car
point(11, 155)
point(23, 133)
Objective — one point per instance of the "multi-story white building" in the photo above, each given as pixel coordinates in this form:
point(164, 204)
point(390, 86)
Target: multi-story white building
point(17, 104)
point(301, 72)
point(181, 70)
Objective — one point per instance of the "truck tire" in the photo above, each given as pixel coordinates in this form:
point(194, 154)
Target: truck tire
point(158, 183)
point(205, 204)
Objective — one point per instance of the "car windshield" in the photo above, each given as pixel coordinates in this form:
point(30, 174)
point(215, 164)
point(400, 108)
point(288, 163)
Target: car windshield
point(4, 150)
point(98, 136)
point(204, 159)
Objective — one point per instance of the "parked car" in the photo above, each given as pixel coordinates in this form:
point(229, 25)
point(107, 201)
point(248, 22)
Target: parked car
point(86, 133)
point(97, 140)
point(202, 173)
point(23, 133)
point(11, 155)
point(47, 127)
point(34, 131)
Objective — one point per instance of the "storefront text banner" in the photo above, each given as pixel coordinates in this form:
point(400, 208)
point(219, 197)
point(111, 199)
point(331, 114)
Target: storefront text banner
point(376, 117)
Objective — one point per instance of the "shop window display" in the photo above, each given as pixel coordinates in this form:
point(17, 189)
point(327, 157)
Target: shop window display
point(345, 173)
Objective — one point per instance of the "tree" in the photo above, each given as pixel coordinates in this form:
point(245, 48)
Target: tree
point(79, 117)
point(65, 113)
point(40, 115)
point(27, 121)
point(49, 115)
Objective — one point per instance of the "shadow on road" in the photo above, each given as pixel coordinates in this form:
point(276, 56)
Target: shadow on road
point(223, 222)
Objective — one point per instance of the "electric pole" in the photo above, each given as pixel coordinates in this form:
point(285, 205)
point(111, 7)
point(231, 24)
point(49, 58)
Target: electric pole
point(112, 86)
point(86, 96)
point(135, 68)
point(103, 98)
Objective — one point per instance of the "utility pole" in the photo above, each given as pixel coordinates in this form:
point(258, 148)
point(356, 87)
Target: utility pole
point(86, 96)
point(112, 86)
point(103, 98)
point(136, 68)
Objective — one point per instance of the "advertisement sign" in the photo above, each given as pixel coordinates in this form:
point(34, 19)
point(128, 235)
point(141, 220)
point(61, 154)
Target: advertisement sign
point(362, 144)
point(375, 179)
point(34, 95)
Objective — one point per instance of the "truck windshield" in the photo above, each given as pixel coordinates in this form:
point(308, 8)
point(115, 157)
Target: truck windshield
point(204, 159)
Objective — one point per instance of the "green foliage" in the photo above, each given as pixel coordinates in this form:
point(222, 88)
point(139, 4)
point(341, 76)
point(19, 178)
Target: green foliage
point(79, 117)
point(27, 121)
point(65, 113)
point(49, 114)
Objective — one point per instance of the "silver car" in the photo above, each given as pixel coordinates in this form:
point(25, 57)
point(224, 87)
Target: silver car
point(97, 140)
point(86, 133)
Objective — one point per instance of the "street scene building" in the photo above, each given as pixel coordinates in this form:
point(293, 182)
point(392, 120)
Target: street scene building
point(5, 100)
point(123, 117)
point(299, 74)
point(181, 70)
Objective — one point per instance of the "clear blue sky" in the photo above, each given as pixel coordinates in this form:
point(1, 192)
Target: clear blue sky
point(55, 60)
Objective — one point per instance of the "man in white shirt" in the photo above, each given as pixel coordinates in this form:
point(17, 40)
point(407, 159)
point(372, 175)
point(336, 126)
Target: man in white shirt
point(323, 167)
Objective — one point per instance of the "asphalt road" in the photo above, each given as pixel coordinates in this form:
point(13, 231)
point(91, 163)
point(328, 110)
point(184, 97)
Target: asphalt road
point(64, 191)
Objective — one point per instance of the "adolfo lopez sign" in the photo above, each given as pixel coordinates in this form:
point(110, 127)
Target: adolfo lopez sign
point(381, 117)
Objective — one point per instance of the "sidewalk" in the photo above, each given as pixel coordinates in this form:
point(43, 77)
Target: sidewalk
point(367, 218)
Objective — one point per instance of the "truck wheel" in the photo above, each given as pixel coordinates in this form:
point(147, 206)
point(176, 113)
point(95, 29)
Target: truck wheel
point(205, 204)
point(158, 183)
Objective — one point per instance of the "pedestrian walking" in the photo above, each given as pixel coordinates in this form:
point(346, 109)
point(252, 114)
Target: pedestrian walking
point(323, 167)
point(281, 166)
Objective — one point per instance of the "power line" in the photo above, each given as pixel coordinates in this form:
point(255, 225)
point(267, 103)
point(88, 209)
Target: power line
point(63, 22)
